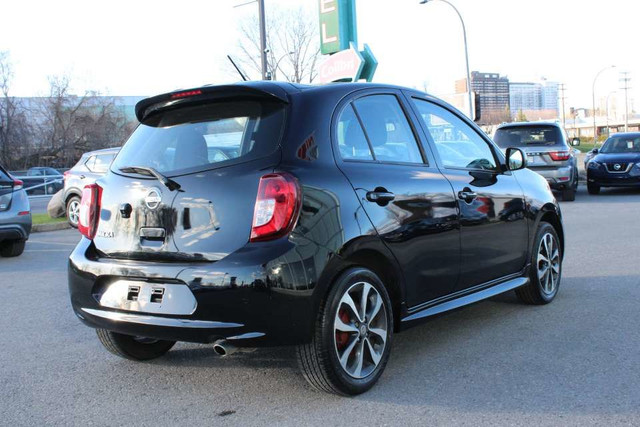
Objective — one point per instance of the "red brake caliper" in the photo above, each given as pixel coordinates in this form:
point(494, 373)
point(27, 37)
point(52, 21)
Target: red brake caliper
point(342, 337)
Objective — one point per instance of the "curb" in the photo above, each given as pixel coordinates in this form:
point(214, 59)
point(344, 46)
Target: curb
point(37, 228)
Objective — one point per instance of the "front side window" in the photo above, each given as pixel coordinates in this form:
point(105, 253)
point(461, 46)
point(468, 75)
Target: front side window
point(205, 136)
point(458, 145)
point(387, 129)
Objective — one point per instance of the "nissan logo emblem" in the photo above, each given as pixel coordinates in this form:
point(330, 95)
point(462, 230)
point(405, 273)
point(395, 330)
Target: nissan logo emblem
point(617, 166)
point(153, 198)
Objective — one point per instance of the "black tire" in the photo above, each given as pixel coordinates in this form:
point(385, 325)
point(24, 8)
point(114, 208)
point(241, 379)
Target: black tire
point(593, 188)
point(73, 201)
point(569, 194)
point(318, 360)
point(11, 248)
point(537, 291)
point(133, 348)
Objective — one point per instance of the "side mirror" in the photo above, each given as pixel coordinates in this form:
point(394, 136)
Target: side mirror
point(594, 151)
point(575, 142)
point(516, 159)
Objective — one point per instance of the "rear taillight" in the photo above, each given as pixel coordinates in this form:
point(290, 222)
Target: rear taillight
point(559, 155)
point(277, 207)
point(89, 214)
point(17, 184)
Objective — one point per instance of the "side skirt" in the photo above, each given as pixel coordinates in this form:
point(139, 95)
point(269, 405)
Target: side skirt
point(466, 299)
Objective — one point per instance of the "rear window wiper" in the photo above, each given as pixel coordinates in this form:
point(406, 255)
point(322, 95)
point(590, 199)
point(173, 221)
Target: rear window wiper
point(143, 170)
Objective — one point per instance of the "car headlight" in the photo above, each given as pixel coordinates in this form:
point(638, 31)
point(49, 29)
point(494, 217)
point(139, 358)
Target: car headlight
point(593, 165)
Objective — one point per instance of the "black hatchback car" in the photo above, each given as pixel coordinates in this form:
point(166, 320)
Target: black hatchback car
point(616, 164)
point(326, 217)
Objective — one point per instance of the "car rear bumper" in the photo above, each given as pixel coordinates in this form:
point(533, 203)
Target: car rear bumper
point(15, 231)
point(245, 304)
point(557, 178)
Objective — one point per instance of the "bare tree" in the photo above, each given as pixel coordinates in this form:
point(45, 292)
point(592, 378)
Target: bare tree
point(14, 126)
point(292, 43)
point(69, 125)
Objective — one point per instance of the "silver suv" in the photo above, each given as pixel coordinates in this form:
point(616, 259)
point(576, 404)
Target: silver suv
point(548, 152)
point(91, 166)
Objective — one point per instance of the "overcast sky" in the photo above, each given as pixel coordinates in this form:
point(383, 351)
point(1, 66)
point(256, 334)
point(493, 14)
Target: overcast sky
point(146, 47)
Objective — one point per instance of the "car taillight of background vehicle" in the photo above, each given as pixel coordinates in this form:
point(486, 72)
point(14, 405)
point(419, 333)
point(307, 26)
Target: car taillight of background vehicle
point(17, 184)
point(65, 175)
point(89, 214)
point(277, 207)
point(559, 155)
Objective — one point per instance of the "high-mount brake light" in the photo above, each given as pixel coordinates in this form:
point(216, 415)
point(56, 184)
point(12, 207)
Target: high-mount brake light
point(89, 214)
point(186, 94)
point(277, 207)
point(559, 155)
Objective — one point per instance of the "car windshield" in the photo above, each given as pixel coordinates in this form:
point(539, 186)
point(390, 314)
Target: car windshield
point(202, 137)
point(622, 144)
point(518, 136)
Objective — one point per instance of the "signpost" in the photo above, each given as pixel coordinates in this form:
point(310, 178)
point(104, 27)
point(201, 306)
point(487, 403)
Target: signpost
point(339, 39)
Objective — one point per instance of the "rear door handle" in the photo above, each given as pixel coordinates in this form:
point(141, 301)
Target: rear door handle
point(467, 195)
point(380, 197)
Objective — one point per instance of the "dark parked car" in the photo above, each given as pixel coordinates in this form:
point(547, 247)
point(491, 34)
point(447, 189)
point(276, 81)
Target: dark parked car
point(43, 180)
point(91, 166)
point(346, 213)
point(547, 150)
point(616, 164)
point(15, 215)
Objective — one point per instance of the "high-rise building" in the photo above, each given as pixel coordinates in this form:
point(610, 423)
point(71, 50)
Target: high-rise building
point(492, 89)
point(527, 96)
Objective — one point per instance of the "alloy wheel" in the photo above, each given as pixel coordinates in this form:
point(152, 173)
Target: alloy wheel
point(74, 211)
point(548, 264)
point(360, 328)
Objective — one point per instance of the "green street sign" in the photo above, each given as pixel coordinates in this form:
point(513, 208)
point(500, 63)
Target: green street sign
point(337, 25)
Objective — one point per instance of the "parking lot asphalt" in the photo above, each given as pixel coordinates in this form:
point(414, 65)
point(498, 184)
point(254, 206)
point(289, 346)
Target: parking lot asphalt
point(499, 362)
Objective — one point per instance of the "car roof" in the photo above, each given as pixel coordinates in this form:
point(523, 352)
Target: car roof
point(625, 134)
point(524, 124)
point(113, 150)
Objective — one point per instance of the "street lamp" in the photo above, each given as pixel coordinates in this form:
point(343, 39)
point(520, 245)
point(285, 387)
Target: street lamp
point(608, 96)
point(466, 51)
point(593, 99)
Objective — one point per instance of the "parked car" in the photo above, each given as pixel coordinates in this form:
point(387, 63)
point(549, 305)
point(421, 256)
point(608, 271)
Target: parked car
point(15, 215)
point(347, 213)
point(616, 164)
point(548, 152)
point(43, 180)
point(90, 167)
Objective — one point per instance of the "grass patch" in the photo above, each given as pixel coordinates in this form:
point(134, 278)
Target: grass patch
point(43, 218)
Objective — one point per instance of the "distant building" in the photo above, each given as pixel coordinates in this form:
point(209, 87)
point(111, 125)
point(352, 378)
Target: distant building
point(492, 89)
point(529, 96)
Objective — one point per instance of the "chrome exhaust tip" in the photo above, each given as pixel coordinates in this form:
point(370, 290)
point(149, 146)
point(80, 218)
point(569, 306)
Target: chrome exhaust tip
point(223, 348)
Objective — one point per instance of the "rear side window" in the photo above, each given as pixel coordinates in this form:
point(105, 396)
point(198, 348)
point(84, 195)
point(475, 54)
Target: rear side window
point(514, 136)
point(387, 129)
point(205, 136)
point(352, 143)
point(101, 163)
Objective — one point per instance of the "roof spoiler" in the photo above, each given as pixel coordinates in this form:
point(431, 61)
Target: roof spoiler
point(205, 93)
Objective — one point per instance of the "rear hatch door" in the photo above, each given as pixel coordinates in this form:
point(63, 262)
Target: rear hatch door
point(210, 155)
point(543, 144)
point(6, 190)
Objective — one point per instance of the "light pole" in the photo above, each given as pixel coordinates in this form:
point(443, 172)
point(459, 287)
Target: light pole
point(593, 99)
point(466, 51)
point(608, 96)
point(263, 36)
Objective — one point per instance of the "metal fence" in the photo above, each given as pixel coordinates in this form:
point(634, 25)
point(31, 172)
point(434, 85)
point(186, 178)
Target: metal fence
point(40, 185)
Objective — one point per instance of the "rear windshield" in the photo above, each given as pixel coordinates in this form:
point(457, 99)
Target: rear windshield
point(528, 135)
point(622, 144)
point(201, 137)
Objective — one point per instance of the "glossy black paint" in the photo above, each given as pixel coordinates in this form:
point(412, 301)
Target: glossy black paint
point(601, 169)
point(425, 244)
